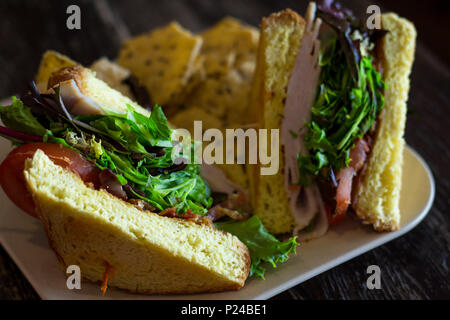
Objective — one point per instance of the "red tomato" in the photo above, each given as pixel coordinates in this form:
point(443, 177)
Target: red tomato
point(12, 179)
point(333, 218)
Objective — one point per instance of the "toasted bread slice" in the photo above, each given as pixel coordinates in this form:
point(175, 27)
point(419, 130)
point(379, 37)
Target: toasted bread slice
point(378, 194)
point(113, 74)
point(147, 253)
point(280, 39)
point(95, 89)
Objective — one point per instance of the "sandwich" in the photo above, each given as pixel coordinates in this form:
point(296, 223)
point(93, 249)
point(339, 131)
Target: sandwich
point(96, 169)
point(337, 91)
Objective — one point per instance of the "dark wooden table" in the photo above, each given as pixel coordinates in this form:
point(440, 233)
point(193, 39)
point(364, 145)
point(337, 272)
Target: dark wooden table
point(414, 266)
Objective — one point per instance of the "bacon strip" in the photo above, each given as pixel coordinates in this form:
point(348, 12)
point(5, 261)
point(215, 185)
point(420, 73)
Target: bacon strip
point(359, 154)
point(236, 207)
point(344, 189)
point(305, 203)
point(345, 176)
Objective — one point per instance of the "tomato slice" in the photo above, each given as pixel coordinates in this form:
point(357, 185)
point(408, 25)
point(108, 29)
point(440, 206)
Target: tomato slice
point(333, 218)
point(12, 179)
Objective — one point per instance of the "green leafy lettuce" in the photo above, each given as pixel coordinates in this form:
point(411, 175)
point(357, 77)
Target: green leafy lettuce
point(135, 147)
point(133, 130)
point(263, 246)
point(17, 116)
point(345, 108)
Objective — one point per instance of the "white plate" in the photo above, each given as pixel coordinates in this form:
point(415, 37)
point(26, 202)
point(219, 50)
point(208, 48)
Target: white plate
point(25, 241)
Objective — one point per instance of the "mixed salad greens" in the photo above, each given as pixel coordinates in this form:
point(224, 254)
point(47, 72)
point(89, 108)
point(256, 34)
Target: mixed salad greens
point(349, 97)
point(137, 149)
point(134, 153)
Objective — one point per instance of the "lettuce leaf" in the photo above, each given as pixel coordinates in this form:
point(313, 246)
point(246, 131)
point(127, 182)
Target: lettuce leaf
point(133, 130)
point(18, 117)
point(136, 148)
point(263, 246)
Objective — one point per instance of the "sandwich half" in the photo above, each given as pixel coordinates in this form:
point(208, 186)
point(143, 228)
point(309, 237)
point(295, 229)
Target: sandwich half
point(280, 39)
point(97, 169)
point(337, 91)
point(142, 251)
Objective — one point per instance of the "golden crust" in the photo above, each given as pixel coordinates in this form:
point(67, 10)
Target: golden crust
point(280, 40)
point(283, 17)
point(245, 269)
point(378, 193)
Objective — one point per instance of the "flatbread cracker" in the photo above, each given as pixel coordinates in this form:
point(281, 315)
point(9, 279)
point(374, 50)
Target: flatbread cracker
point(185, 119)
point(198, 76)
point(229, 49)
point(163, 60)
point(224, 96)
point(228, 44)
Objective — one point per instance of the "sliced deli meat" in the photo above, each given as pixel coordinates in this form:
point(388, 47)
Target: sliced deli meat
point(305, 203)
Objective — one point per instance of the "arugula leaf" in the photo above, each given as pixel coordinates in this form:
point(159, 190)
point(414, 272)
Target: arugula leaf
point(201, 193)
point(133, 127)
point(160, 126)
point(263, 246)
point(17, 116)
point(133, 130)
point(183, 189)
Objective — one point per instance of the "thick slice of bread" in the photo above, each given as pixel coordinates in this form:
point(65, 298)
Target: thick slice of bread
point(95, 89)
point(280, 40)
point(113, 74)
point(378, 193)
point(148, 253)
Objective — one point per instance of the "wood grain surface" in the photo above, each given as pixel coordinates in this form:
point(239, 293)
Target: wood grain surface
point(414, 266)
